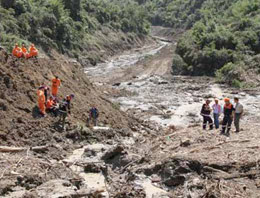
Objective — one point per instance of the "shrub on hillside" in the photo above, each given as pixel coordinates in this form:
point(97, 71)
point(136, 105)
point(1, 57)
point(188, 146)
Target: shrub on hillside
point(179, 67)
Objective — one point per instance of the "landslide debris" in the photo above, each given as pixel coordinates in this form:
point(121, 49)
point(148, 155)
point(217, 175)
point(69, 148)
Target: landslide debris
point(29, 172)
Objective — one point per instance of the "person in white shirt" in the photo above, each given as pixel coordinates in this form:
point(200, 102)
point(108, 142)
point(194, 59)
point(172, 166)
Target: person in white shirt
point(238, 113)
point(217, 110)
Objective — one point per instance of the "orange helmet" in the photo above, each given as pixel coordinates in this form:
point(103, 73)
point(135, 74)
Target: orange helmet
point(226, 100)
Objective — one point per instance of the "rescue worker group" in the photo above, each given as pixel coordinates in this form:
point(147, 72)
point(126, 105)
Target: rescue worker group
point(22, 52)
point(48, 100)
point(230, 113)
point(60, 108)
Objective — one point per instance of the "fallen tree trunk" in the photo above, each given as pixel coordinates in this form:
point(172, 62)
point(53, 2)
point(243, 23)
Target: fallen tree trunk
point(239, 175)
point(7, 149)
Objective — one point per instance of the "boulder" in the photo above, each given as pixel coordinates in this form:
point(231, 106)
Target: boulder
point(175, 181)
point(111, 153)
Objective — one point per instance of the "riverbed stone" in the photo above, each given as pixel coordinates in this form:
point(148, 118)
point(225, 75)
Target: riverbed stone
point(175, 181)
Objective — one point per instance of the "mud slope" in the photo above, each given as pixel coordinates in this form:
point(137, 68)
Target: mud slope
point(19, 119)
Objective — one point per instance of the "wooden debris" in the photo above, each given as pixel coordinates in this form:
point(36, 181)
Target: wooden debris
point(7, 149)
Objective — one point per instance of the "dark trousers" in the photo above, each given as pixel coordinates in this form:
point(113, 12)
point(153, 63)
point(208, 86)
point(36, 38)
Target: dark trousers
point(63, 115)
point(53, 110)
point(207, 119)
point(93, 119)
point(226, 124)
point(236, 121)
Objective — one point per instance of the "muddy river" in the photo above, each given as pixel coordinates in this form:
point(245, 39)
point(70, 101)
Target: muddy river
point(162, 98)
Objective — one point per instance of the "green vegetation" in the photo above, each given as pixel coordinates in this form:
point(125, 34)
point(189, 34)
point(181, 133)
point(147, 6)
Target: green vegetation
point(223, 36)
point(173, 13)
point(67, 25)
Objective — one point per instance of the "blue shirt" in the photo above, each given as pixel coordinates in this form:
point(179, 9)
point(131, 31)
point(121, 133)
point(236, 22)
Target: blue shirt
point(217, 109)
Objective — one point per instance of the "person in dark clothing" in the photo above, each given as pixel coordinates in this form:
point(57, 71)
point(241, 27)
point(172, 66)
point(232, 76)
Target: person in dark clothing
point(93, 115)
point(64, 109)
point(229, 112)
point(68, 100)
point(63, 112)
point(205, 112)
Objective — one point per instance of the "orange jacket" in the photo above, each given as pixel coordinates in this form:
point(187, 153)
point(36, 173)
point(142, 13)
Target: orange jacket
point(56, 82)
point(24, 50)
point(33, 51)
point(17, 51)
point(41, 96)
point(49, 104)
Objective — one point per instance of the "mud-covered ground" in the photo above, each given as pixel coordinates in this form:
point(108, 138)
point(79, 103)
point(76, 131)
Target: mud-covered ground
point(178, 158)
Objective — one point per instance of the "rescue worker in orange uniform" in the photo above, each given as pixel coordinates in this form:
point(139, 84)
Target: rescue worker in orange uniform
point(51, 106)
point(49, 103)
point(17, 51)
point(229, 112)
point(41, 100)
point(56, 82)
point(24, 50)
point(33, 52)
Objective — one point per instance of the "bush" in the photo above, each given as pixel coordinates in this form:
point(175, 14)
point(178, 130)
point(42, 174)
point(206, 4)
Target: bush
point(231, 74)
point(236, 83)
point(179, 67)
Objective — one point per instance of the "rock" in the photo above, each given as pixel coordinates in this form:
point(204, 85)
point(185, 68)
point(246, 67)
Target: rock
point(20, 120)
point(172, 128)
point(207, 96)
point(129, 83)
point(196, 100)
point(89, 152)
point(163, 83)
point(192, 114)
point(155, 179)
point(185, 143)
point(116, 84)
point(7, 81)
point(242, 94)
point(56, 188)
point(175, 181)
point(111, 153)
point(3, 106)
point(94, 168)
point(194, 88)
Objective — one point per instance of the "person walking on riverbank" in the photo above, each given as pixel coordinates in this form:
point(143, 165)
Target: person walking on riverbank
point(217, 110)
point(229, 112)
point(205, 112)
point(239, 109)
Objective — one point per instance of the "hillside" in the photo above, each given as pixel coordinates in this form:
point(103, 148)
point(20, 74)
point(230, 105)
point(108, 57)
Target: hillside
point(222, 39)
point(20, 121)
point(88, 30)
